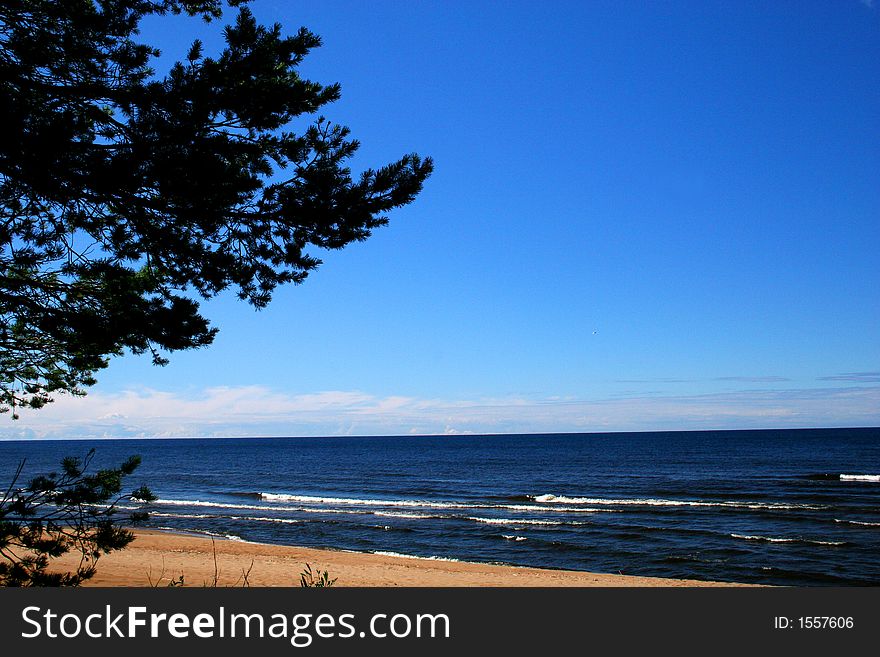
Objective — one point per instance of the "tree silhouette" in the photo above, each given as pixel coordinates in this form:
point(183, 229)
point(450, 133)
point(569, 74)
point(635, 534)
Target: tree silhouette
point(63, 511)
point(125, 197)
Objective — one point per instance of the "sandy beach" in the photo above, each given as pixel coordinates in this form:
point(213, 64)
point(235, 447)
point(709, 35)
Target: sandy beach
point(156, 558)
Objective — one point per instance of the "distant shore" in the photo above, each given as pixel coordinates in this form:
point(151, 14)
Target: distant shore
point(156, 558)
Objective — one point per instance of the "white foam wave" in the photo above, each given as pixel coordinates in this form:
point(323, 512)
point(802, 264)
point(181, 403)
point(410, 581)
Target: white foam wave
point(218, 505)
point(311, 499)
point(391, 514)
point(858, 522)
point(861, 477)
point(285, 521)
point(253, 507)
point(510, 537)
point(205, 532)
point(276, 504)
point(518, 521)
point(410, 556)
point(400, 514)
point(552, 509)
point(769, 539)
point(561, 499)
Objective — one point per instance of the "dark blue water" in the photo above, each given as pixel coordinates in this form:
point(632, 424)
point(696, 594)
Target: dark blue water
point(799, 507)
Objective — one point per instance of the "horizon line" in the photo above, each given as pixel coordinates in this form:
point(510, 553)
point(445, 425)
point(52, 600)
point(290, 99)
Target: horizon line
point(448, 435)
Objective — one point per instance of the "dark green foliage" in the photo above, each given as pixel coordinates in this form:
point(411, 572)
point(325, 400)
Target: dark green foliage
point(316, 579)
point(60, 512)
point(126, 196)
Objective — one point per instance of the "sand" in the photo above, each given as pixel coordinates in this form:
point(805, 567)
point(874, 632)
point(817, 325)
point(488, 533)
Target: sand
point(155, 558)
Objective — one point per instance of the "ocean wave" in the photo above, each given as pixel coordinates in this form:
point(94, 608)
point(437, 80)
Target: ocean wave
point(383, 513)
point(416, 516)
point(552, 509)
point(426, 504)
point(511, 537)
point(205, 532)
point(561, 499)
point(218, 505)
point(385, 553)
point(826, 476)
point(522, 521)
point(874, 478)
point(253, 507)
point(202, 516)
point(312, 499)
point(769, 539)
point(861, 523)
point(282, 521)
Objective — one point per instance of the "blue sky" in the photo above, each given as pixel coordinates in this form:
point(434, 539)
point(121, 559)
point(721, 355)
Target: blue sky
point(644, 215)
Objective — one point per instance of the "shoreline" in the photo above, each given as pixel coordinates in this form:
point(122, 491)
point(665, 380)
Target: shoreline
point(157, 557)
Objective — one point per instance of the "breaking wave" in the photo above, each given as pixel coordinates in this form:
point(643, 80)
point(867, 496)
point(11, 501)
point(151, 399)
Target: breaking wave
point(252, 507)
point(561, 499)
point(425, 504)
point(284, 521)
point(386, 553)
point(874, 478)
point(860, 523)
point(523, 521)
point(769, 539)
point(204, 532)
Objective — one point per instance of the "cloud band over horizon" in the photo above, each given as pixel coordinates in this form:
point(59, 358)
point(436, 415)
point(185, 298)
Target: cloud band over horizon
point(261, 411)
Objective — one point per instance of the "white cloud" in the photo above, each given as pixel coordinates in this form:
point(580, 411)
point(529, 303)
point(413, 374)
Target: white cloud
point(855, 377)
point(261, 411)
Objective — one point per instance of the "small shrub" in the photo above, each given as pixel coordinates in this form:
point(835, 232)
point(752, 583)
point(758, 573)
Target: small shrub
point(318, 579)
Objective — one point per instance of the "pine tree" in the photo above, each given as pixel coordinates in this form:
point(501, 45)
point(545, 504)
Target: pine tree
point(125, 197)
point(63, 511)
